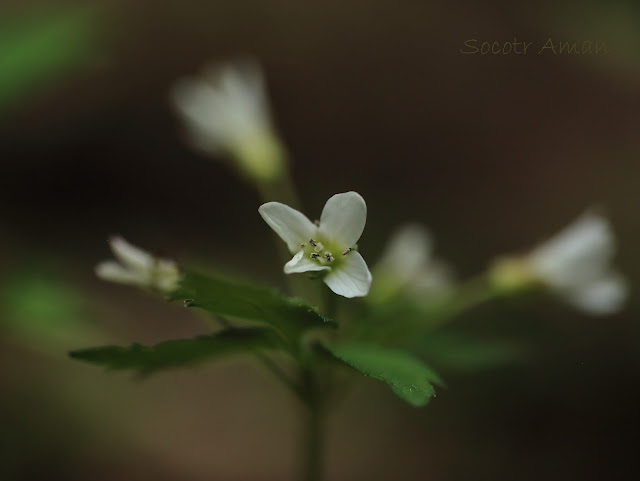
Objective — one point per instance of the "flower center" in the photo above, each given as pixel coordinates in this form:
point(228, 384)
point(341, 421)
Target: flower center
point(325, 252)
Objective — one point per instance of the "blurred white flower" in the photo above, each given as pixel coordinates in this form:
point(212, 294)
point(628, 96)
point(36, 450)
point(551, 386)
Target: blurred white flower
point(135, 266)
point(408, 268)
point(225, 111)
point(575, 263)
point(329, 247)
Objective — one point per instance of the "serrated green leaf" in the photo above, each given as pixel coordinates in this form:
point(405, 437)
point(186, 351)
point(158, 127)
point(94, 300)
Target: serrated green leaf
point(405, 374)
point(178, 353)
point(290, 317)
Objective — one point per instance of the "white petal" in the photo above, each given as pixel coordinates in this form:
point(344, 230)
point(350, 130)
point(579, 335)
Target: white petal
point(223, 107)
point(203, 110)
point(243, 83)
point(352, 279)
point(292, 226)
point(438, 277)
point(578, 254)
point(113, 272)
point(130, 255)
point(300, 263)
point(605, 296)
point(407, 255)
point(343, 218)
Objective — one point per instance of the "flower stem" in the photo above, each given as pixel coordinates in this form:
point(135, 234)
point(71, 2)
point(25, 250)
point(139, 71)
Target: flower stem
point(312, 467)
point(277, 371)
point(473, 293)
point(330, 302)
point(282, 189)
point(271, 365)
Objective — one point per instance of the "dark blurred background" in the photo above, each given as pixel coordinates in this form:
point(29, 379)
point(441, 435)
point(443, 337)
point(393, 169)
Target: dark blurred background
point(492, 153)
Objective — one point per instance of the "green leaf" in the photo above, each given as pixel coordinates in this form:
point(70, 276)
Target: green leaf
point(405, 374)
point(178, 353)
point(291, 317)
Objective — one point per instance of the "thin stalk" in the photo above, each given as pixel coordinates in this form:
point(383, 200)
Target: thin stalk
point(313, 445)
point(283, 190)
point(269, 363)
point(473, 293)
point(330, 302)
point(279, 373)
point(280, 190)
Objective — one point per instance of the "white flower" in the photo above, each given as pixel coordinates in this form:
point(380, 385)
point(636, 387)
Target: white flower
point(138, 267)
point(329, 247)
point(407, 266)
point(226, 111)
point(576, 262)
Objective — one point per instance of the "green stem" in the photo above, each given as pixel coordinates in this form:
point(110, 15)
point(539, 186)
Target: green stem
point(283, 190)
point(280, 190)
point(277, 371)
point(330, 302)
point(269, 363)
point(473, 293)
point(312, 468)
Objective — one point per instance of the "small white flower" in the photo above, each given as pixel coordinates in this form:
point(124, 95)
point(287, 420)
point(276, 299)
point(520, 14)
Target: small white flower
point(135, 266)
point(226, 111)
point(407, 266)
point(576, 262)
point(328, 248)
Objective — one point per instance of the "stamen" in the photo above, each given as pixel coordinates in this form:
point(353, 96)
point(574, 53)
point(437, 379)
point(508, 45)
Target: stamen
point(314, 255)
point(347, 250)
point(312, 242)
point(329, 256)
point(303, 245)
point(317, 223)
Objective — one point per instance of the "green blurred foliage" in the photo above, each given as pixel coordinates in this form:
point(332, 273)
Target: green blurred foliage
point(36, 47)
point(469, 354)
point(45, 313)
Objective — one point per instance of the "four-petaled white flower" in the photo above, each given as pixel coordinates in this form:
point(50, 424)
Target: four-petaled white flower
point(576, 262)
point(135, 266)
point(328, 248)
point(226, 111)
point(408, 267)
